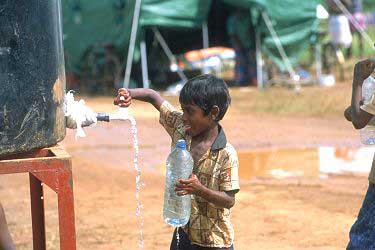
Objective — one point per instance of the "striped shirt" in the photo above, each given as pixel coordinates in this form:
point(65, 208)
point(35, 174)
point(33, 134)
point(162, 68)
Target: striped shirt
point(209, 225)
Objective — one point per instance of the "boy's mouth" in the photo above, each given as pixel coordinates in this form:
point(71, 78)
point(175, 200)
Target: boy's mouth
point(187, 129)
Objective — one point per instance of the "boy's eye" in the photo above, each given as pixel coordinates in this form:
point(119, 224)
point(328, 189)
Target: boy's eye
point(186, 110)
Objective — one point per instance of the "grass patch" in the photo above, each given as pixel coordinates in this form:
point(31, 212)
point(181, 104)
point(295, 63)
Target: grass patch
point(312, 101)
point(368, 49)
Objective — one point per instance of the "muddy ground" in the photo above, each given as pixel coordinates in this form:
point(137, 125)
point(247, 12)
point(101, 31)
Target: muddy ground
point(290, 213)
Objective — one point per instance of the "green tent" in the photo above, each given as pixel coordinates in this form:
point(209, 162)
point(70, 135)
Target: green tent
point(89, 22)
point(294, 21)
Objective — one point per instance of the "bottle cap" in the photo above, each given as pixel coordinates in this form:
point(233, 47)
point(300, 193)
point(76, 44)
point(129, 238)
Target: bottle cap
point(181, 144)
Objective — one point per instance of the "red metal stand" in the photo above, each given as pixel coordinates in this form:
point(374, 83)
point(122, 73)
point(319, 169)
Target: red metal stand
point(50, 166)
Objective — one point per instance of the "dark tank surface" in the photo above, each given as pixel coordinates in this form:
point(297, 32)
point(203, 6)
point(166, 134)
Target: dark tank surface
point(32, 77)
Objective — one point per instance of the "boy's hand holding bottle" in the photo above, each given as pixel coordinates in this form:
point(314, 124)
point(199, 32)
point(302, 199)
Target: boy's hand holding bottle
point(189, 186)
point(123, 98)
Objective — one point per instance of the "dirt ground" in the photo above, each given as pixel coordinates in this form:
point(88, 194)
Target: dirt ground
point(291, 213)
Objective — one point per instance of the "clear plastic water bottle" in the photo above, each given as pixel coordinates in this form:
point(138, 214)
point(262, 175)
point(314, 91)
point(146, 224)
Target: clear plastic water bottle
point(367, 134)
point(176, 211)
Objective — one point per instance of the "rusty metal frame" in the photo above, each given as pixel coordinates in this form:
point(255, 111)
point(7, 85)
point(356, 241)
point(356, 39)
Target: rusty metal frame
point(50, 166)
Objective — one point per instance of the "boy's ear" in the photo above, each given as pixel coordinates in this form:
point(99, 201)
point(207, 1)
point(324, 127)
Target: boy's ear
point(214, 113)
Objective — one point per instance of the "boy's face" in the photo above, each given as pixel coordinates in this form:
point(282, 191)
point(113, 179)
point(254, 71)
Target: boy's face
point(195, 120)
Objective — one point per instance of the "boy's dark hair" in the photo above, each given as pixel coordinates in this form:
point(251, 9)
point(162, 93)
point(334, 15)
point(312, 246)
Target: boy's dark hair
point(206, 91)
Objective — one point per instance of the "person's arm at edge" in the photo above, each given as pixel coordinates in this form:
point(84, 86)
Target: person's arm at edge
point(354, 113)
point(358, 117)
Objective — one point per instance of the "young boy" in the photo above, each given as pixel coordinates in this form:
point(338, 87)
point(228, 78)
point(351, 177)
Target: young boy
point(362, 232)
point(204, 101)
point(5, 239)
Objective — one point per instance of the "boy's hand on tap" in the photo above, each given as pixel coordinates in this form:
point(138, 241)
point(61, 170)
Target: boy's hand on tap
point(363, 70)
point(123, 98)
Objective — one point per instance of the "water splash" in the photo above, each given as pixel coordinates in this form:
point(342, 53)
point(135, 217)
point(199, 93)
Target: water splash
point(77, 114)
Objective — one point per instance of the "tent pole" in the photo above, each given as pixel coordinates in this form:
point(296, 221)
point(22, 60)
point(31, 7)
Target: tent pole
point(168, 52)
point(144, 65)
point(318, 61)
point(205, 42)
point(258, 47)
point(205, 35)
point(133, 35)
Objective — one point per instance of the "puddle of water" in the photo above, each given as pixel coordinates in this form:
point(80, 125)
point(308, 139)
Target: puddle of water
point(344, 160)
point(306, 162)
point(279, 163)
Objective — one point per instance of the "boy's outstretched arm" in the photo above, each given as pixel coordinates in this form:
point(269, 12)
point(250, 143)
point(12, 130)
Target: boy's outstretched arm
point(354, 113)
point(124, 97)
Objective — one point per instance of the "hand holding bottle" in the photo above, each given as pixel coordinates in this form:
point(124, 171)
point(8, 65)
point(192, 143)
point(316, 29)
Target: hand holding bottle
point(189, 186)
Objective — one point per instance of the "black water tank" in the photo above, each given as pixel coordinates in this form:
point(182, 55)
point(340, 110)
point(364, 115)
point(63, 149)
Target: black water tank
point(32, 75)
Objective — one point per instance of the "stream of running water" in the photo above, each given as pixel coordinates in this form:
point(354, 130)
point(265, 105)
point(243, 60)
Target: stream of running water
point(138, 181)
